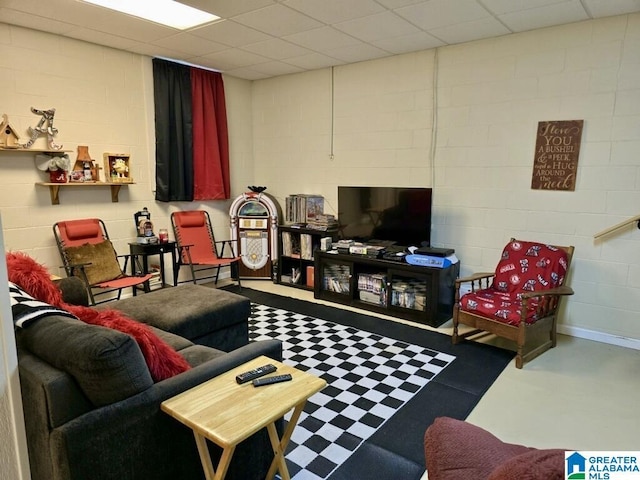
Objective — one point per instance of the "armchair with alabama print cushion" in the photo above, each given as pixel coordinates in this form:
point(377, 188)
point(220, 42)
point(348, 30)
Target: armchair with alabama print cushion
point(520, 301)
point(88, 254)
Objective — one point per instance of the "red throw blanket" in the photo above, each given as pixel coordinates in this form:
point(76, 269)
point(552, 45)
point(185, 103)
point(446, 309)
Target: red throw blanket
point(162, 360)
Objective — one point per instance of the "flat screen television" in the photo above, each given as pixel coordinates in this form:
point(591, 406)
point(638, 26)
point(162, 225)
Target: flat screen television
point(385, 215)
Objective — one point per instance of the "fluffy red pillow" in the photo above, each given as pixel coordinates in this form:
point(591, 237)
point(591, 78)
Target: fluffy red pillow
point(162, 360)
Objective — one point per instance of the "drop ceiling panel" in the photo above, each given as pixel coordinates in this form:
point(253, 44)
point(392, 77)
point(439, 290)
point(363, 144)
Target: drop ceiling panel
point(262, 38)
point(335, 11)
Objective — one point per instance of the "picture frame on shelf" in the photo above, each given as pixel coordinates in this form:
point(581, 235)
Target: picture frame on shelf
point(117, 167)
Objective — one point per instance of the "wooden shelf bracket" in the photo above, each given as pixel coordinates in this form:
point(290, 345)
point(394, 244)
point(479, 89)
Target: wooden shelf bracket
point(617, 226)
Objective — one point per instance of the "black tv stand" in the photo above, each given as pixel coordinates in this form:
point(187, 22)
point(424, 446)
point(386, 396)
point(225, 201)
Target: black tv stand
point(420, 294)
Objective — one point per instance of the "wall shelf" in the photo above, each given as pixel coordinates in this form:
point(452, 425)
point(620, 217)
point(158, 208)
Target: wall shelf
point(34, 150)
point(54, 188)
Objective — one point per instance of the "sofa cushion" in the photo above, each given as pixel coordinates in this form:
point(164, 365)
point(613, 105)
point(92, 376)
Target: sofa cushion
point(107, 364)
point(199, 354)
point(203, 310)
point(176, 342)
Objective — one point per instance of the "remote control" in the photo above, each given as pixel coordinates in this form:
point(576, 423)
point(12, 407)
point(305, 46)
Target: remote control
point(256, 373)
point(269, 380)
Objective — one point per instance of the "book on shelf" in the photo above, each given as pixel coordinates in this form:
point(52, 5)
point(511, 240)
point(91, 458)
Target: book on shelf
point(303, 208)
point(290, 245)
point(310, 276)
point(306, 246)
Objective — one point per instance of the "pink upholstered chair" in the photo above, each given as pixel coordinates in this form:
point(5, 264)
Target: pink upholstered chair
point(520, 301)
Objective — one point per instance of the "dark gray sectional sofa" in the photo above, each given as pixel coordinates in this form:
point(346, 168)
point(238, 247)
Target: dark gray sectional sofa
point(91, 409)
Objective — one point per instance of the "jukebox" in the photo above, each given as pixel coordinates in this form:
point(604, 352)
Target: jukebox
point(254, 229)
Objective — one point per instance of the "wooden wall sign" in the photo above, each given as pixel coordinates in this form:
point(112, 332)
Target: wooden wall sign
point(556, 159)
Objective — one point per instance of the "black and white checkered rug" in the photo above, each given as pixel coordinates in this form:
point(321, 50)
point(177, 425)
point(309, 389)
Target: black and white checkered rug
point(369, 376)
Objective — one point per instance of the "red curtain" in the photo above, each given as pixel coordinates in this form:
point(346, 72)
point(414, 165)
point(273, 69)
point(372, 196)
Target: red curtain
point(210, 137)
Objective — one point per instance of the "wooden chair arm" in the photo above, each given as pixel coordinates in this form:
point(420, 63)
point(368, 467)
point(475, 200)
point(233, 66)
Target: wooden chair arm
point(474, 277)
point(562, 290)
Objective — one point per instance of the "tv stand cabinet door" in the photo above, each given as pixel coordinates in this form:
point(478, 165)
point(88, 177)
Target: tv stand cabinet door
point(334, 279)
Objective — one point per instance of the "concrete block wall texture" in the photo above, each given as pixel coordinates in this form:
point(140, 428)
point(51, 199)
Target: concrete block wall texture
point(460, 119)
point(488, 97)
point(103, 99)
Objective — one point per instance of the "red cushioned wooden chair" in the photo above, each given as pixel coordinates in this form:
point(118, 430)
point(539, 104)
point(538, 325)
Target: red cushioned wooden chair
point(520, 301)
point(198, 248)
point(87, 253)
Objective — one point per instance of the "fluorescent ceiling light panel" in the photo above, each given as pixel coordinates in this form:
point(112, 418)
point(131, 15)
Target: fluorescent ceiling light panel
point(165, 12)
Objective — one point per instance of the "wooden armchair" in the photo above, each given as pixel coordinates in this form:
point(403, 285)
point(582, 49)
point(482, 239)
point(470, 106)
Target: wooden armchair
point(520, 301)
point(88, 254)
point(198, 248)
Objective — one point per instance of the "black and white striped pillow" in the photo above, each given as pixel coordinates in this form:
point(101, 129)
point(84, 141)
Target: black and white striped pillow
point(27, 309)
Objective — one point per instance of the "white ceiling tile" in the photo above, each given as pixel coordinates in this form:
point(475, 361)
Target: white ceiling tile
point(234, 58)
point(276, 49)
point(470, 31)
point(605, 8)
point(277, 20)
point(35, 22)
point(409, 43)
point(262, 38)
point(101, 38)
point(499, 7)
point(335, 11)
point(354, 53)
point(228, 8)
point(322, 39)
point(378, 26)
point(204, 63)
point(441, 13)
point(246, 73)
point(273, 69)
point(155, 51)
point(188, 43)
point(131, 27)
point(230, 33)
point(541, 17)
point(398, 3)
point(314, 61)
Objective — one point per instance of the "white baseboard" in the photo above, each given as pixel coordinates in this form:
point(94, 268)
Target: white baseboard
point(599, 337)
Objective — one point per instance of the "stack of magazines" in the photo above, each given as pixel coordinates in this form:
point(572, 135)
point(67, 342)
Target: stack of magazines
point(323, 222)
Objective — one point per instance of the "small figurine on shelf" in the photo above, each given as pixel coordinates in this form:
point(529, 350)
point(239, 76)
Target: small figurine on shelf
point(85, 168)
point(44, 127)
point(121, 168)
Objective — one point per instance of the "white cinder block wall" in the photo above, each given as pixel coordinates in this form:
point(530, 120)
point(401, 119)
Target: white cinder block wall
point(484, 99)
point(103, 99)
point(491, 94)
